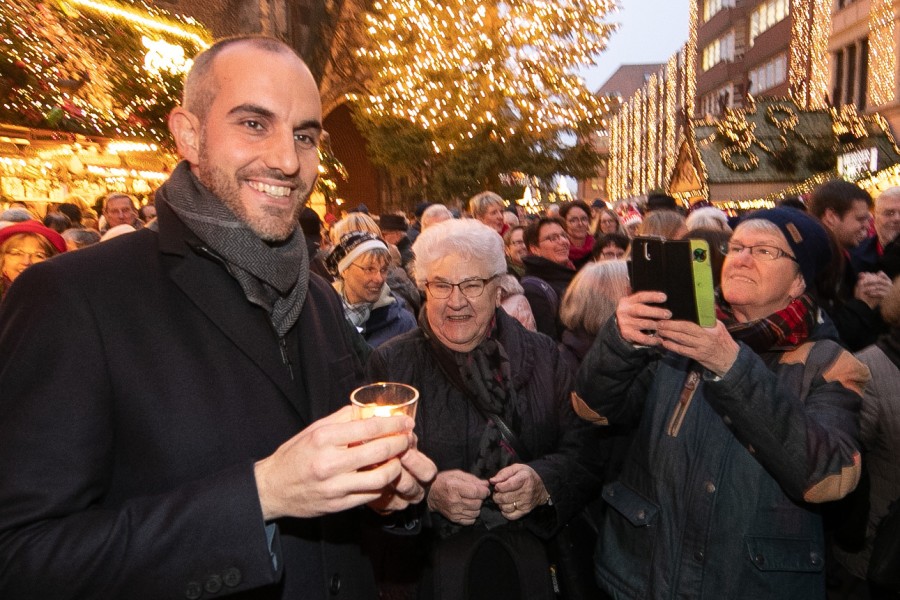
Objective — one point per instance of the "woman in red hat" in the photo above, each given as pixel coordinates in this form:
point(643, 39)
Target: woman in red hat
point(22, 245)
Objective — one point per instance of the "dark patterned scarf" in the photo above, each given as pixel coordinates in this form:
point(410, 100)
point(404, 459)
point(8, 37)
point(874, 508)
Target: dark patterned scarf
point(787, 327)
point(483, 375)
point(273, 277)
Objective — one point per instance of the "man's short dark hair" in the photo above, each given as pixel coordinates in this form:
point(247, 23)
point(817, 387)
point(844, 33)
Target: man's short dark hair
point(532, 234)
point(837, 195)
point(200, 87)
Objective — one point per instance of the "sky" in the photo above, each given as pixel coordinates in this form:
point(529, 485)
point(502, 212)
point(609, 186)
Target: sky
point(650, 31)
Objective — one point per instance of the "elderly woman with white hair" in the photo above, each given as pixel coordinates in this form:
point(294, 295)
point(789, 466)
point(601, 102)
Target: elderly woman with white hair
point(515, 463)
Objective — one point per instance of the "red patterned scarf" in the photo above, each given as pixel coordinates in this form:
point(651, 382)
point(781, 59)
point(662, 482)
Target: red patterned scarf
point(788, 327)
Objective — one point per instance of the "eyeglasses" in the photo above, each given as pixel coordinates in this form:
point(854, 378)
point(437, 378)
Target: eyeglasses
point(759, 251)
point(470, 288)
point(889, 214)
point(554, 238)
point(21, 254)
point(371, 271)
point(578, 220)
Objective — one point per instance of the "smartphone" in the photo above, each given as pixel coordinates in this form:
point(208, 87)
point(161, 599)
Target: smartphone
point(680, 268)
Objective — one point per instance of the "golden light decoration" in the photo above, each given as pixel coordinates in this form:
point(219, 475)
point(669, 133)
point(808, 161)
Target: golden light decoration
point(671, 87)
point(197, 36)
point(810, 31)
point(882, 54)
point(163, 56)
point(460, 67)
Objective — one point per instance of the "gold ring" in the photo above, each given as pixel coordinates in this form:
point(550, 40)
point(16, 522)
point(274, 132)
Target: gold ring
point(515, 505)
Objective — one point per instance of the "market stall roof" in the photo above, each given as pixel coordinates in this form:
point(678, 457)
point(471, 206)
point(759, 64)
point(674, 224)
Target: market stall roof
point(774, 143)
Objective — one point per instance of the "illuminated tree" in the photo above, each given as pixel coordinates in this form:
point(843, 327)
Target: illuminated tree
point(493, 80)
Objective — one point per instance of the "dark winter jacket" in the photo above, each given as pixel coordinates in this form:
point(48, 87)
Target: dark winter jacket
point(558, 277)
point(721, 504)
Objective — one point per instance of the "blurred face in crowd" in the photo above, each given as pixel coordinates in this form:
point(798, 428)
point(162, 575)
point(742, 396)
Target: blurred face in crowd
point(493, 217)
point(462, 320)
point(21, 251)
point(887, 217)
point(364, 278)
point(119, 210)
point(852, 228)
point(553, 244)
point(756, 287)
point(612, 252)
point(608, 222)
point(577, 223)
point(516, 250)
point(257, 146)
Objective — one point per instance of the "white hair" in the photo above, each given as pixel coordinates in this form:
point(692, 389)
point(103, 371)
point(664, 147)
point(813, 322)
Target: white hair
point(468, 239)
point(708, 217)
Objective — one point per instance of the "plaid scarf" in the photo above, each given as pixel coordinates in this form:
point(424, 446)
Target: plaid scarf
point(788, 327)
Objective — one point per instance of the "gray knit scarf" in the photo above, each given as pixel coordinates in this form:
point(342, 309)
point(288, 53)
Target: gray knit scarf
point(273, 277)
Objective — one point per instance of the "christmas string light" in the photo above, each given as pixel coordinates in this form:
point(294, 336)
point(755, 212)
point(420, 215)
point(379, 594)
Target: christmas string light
point(461, 67)
point(882, 54)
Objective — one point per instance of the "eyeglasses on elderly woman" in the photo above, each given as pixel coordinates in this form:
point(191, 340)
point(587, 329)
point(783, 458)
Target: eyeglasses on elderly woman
point(470, 288)
point(757, 251)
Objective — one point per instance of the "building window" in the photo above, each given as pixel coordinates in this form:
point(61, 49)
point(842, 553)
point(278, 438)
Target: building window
point(719, 50)
point(715, 103)
point(769, 75)
point(711, 7)
point(766, 15)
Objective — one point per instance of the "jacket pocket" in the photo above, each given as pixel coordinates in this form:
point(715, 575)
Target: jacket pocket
point(785, 554)
point(639, 511)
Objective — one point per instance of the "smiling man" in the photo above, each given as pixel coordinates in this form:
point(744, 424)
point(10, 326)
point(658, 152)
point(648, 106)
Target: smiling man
point(226, 464)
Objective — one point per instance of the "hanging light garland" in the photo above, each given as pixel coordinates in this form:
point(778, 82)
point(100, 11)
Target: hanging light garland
point(882, 54)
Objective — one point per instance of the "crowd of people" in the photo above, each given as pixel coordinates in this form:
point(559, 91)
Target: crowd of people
point(176, 399)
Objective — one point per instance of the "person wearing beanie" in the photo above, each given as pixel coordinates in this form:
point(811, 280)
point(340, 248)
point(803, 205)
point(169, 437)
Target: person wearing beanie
point(415, 228)
point(394, 228)
point(359, 263)
point(743, 429)
point(23, 245)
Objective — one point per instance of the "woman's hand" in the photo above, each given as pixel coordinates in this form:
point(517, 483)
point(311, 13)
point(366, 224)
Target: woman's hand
point(638, 319)
point(518, 490)
point(712, 347)
point(458, 496)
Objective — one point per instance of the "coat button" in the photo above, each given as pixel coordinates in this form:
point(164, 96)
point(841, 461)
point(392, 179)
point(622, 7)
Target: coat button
point(335, 586)
point(814, 559)
point(698, 555)
point(232, 577)
point(710, 487)
point(641, 515)
point(759, 559)
point(194, 590)
point(213, 584)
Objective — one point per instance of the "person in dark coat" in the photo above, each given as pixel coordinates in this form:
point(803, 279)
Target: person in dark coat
point(850, 298)
point(193, 436)
point(742, 430)
point(548, 272)
point(476, 368)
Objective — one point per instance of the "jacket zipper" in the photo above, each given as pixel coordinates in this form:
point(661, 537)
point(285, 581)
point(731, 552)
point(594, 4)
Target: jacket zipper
point(684, 401)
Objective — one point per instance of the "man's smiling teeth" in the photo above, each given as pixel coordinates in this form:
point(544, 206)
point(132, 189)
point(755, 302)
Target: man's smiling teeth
point(272, 190)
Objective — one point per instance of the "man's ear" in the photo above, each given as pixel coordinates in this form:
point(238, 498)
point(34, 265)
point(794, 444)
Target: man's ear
point(185, 128)
point(830, 218)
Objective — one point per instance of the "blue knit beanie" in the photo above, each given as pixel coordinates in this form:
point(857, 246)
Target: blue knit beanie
point(804, 234)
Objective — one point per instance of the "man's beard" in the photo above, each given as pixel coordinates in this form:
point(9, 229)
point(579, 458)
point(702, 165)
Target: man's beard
point(269, 223)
